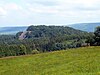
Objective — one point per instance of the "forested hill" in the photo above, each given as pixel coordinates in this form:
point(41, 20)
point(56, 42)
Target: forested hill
point(48, 31)
point(38, 39)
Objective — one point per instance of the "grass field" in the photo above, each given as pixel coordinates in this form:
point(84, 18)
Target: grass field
point(81, 61)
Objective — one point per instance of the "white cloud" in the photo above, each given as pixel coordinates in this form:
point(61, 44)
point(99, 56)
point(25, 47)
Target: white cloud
point(50, 11)
point(42, 9)
point(66, 7)
point(2, 12)
point(12, 6)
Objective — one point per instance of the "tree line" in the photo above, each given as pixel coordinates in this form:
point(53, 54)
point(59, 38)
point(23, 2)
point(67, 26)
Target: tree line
point(94, 40)
point(42, 39)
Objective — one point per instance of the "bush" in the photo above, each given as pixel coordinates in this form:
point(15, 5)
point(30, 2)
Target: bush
point(35, 52)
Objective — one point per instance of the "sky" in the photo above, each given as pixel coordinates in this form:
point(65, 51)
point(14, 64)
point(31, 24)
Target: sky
point(48, 12)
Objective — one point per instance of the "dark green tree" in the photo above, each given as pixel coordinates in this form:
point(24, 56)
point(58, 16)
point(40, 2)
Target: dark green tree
point(97, 35)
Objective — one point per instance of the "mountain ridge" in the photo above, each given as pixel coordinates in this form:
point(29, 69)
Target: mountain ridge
point(48, 31)
point(12, 30)
point(88, 27)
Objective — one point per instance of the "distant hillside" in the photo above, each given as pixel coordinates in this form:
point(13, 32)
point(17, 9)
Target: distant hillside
point(89, 27)
point(48, 31)
point(12, 30)
point(41, 39)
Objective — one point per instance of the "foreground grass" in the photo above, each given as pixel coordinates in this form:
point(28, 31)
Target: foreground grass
point(82, 61)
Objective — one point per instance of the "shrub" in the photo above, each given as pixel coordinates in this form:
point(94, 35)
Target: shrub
point(35, 52)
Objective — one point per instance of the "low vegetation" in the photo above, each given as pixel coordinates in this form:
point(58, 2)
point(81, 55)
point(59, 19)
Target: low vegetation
point(81, 61)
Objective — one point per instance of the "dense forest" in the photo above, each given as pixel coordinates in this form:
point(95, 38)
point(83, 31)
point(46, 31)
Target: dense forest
point(37, 39)
point(94, 40)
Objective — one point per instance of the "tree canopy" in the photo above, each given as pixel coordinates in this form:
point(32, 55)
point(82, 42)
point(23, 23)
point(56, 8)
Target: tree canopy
point(37, 39)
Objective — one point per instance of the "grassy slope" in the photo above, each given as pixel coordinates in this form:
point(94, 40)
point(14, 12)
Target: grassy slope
point(82, 61)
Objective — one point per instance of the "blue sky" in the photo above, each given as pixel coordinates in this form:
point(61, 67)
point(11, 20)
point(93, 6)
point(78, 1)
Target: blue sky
point(50, 12)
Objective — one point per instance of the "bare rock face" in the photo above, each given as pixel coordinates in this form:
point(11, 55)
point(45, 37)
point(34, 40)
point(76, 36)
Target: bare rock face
point(23, 35)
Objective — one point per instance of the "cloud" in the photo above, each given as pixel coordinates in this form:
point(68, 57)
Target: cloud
point(2, 12)
point(64, 6)
point(49, 11)
point(12, 6)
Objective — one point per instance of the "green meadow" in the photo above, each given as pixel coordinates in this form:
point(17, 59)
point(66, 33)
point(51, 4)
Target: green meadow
point(79, 61)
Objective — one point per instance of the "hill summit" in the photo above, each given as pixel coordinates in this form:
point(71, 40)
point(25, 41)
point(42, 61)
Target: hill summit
point(48, 31)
